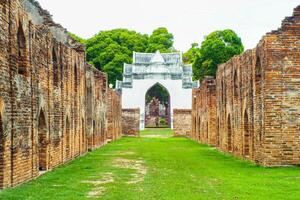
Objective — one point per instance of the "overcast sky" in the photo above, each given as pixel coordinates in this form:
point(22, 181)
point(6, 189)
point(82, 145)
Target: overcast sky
point(188, 20)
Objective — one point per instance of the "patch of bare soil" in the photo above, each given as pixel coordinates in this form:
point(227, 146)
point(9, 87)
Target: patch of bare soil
point(137, 165)
point(99, 188)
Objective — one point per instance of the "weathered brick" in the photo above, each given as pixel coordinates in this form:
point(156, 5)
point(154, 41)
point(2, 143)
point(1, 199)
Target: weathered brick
point(257, 101)
point(53, 106)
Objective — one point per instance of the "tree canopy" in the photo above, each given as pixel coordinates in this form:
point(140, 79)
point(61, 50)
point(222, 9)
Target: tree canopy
point(218, 47)
point(160, 40)
point(109, 50)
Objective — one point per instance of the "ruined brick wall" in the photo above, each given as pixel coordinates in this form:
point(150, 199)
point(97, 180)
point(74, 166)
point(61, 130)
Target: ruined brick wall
point(257, 100)
point(182, 122)
point(52, 104)
point(131, 121)
point(204, 116)
point(194, 114)
point(114, 115)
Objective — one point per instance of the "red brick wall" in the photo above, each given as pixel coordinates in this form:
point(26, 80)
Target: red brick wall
point(114, 115)
point(204, 113)
point(182, 122)
point(257, 100)
point(49, 96)
point(131, 121)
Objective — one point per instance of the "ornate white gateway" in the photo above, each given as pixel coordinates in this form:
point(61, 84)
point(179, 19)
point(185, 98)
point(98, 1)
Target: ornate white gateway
point(149, 69)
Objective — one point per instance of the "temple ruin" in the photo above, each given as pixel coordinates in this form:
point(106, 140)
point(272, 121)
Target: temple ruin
point(54, 107)
point(252, 108)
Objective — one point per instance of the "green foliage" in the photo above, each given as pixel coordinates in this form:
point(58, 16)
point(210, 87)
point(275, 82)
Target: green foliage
point(218, 47)
point(160, 40)
point(109, 50)
point(77, 38)
point(163, 121)
point(189, 56)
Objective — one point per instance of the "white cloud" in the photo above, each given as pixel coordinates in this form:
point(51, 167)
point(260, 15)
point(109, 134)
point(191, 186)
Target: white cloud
point(188, 20)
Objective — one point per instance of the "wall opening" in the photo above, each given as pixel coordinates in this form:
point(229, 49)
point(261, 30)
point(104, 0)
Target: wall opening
point(199, 128)
point(55, 68)
point(258, 92)
point(218, 132)
point(246, 136)
point(75, 77)
point(207, 129)
point(157, 107)
point(42, 141)
point(83, 139)
point(236, 86)
point(229, 135)
point(21, 51)
point(68, 138)
point(94, 133)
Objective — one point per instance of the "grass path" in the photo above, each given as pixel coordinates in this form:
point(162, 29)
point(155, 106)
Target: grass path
point(159, 168)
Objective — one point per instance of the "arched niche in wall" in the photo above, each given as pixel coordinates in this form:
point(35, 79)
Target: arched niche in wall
point(68, 138)
point(55, 68)
point(229, 134)
point(258, 93)
point(42, 141)
point(235, 86)
point(246, 142)
point(22, 61)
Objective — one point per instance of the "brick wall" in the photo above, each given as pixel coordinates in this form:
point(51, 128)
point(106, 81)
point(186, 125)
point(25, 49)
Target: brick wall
point(53, 106)
point(131, 121)
point(182, 122)
point(257, 100)
point(204, 113)
point(114, 115)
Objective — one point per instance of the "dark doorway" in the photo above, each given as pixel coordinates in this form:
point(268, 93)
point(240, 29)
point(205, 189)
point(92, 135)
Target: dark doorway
point(246, 136)
point(157, 107)
point(42, 141)
point(229, 134)
point(68, 142)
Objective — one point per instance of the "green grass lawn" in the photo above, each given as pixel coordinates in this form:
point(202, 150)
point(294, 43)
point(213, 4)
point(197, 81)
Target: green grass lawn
point(157, 168)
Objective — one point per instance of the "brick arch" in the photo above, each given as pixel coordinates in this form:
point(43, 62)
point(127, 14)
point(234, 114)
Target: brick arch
point(42, 141)
point(199, 127)
point(258, 92)
point(83, 136)
point(75, 77)
point(22, 52)
point(229, 134)
point(246, 135)
point(55, 68)
point(68, 137)
point(235, 85)
point(218, 131)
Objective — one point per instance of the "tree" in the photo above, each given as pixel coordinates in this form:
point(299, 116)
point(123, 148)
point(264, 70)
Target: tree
point(218, 47)
point(160, 40)
point(190, 56)
point(77, 38)
point(109, 50)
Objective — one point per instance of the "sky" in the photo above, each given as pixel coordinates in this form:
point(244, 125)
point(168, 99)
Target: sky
point(188, 20)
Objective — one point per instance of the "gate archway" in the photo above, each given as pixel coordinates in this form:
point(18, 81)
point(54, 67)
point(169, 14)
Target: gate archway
point(157, 107)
